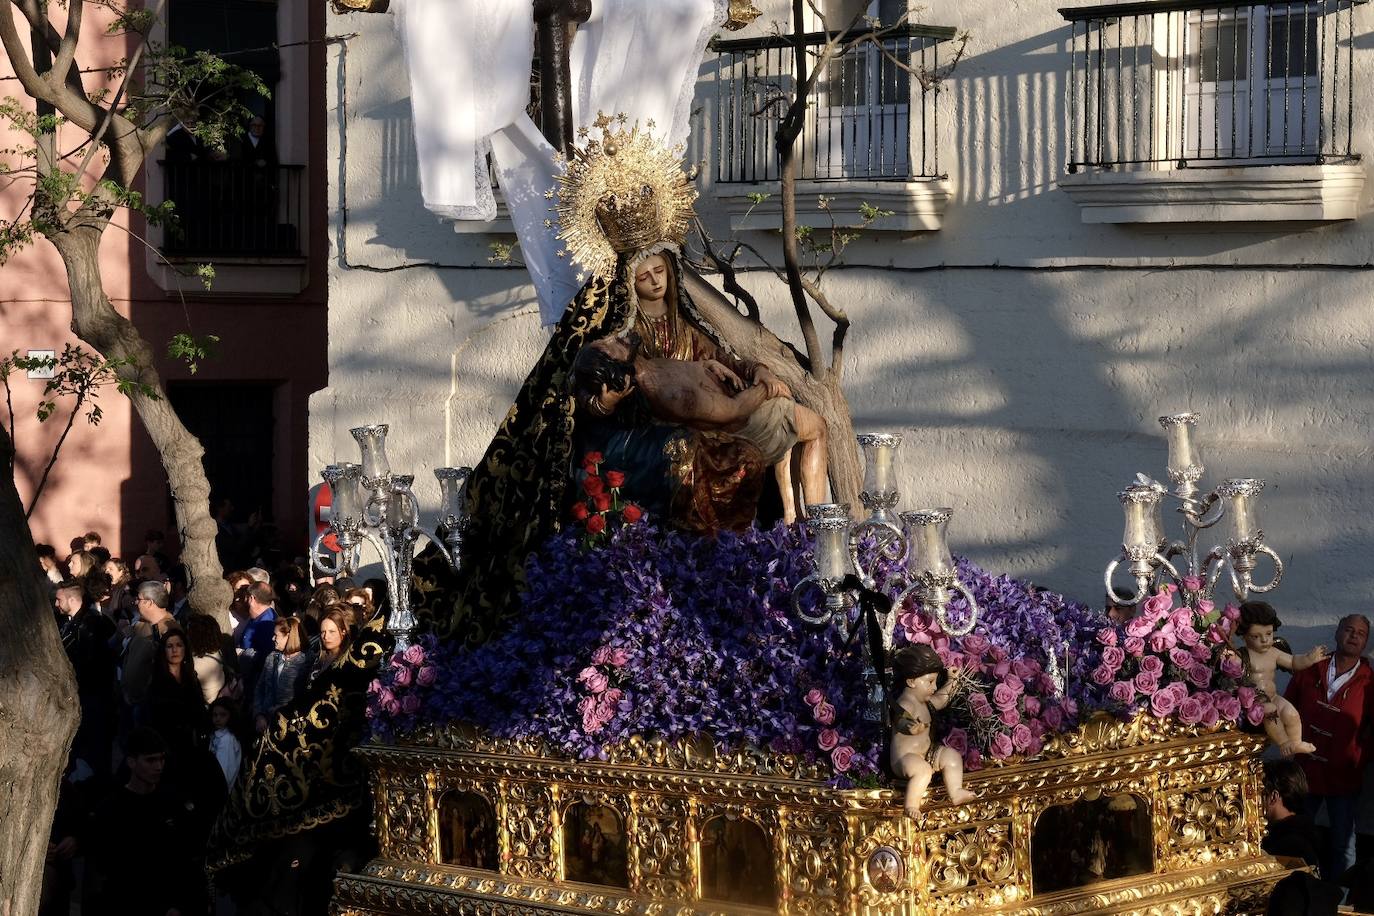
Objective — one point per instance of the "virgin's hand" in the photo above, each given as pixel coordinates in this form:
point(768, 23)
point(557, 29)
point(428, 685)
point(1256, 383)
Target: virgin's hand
point(775, 386)
point(721, 373)
point(609, 398)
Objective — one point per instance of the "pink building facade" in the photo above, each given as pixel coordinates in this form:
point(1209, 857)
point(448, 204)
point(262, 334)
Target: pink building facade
point(257, 215)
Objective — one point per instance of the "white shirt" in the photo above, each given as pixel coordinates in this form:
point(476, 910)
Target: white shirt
point(1334, 682)
point(227, 751)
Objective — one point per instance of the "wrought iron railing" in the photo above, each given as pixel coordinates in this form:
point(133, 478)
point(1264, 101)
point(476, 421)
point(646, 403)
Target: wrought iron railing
point(1170, 84)
point(234, 209)
point(873, 115)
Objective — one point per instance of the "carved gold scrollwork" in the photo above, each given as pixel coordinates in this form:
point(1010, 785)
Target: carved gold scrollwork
point(815, 856)
point(961, 858)
point(1206, 824)
point(662, 847)
point(405, 813)
point(529, 823)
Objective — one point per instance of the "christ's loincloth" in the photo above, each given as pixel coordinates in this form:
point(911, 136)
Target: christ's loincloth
point(772, 429)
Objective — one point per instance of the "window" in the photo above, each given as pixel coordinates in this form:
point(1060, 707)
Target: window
point(1197, 85)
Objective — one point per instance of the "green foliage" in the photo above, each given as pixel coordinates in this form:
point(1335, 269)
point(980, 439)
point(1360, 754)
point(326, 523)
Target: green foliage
point(192, 349)
point(503, 253)
point(757, 198)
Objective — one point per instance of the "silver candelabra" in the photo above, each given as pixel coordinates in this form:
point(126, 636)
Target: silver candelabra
point(919, 544)
point(1151, 555)
point(376, 507)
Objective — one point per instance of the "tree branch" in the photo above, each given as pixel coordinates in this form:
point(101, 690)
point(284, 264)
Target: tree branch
point(726, 266)
point(52, 460)
point(66, 50)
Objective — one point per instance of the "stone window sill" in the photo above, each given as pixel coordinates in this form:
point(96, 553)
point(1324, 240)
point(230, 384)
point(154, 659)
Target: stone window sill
point(1288, 193)
point(917, 205)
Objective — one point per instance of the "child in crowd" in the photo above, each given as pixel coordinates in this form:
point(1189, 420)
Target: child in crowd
point(223, 744)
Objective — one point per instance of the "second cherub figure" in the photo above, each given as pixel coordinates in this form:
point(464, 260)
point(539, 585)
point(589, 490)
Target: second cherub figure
point(917, 671)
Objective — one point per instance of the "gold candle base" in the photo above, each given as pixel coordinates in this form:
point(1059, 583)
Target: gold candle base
point(662, 829)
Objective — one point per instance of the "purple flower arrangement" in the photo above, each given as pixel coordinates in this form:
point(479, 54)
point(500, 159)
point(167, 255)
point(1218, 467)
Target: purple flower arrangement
point(659, 634)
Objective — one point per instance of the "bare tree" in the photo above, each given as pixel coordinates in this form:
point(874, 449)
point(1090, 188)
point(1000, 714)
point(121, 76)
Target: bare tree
point(76, 194)
point(38, 708)
point(813, 374)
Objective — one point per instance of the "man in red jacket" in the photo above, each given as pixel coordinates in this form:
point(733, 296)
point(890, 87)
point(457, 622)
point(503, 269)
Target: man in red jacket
point(1334, 698)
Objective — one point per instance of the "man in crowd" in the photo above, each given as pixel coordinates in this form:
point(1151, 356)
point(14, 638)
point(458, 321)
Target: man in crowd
point(1333, 698)
point(140, 655)
point(138, 824)
point(1291, 834)
point(86, 635)
point(256, 639)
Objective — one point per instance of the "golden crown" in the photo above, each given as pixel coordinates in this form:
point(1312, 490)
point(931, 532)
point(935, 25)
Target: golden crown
point(621, 193)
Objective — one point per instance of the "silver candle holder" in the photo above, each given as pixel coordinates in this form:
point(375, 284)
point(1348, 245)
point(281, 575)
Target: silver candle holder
point(376, 507)
point(1152, 556)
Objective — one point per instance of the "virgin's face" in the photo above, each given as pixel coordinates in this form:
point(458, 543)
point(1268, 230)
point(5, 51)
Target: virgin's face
point(175, 649)
point(651, 279)
point(330, 637)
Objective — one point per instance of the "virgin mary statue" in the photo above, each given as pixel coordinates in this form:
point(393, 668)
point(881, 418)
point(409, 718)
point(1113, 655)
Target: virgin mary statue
point(624, 205)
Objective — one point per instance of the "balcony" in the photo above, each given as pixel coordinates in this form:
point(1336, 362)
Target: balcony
point(871, 133)
point(235, 211)
point(1195, 112)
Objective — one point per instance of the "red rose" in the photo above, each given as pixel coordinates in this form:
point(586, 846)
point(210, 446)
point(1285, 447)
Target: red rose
point(594, 485)
point(579, 511)
point(596, 524)
point(631, 513)
point(615, 479)
point(602, 501)
point(591, 460)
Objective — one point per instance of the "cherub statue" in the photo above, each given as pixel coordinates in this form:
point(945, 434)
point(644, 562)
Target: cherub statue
point(708, 396)
point(1261, 658)
point(917, 671)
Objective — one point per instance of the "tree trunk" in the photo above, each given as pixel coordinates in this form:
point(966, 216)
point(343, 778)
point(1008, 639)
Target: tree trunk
point(38, 708)
point(96, 322)
point(752, 341)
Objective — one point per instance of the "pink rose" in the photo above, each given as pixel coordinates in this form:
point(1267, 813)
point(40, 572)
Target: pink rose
point(1122, 692)
point(957, 741)
point(620, 658)
point(1231, 666)
point(1210, 716)
point(1192, 583)
point(998, 653)
point(612, 697)
point(825, 714)
point(392, 706)
point(1031, 706)
point(1001, 668)
point(978, 703)
point(1216, 634)
point(386, 696)
point(1070, 706)
point(426, 676)
point(1153, 664)
point(1135, 646)
point(1187, 636)
point(410, 704)
point(1103, 675)
point(1200, 676)
point(1015, 683)
point(974, 644)
point(1255, 714)
point(593, 679)
point(1009, 716)
point(920, 636)
point(1158, 604)
point(1201, 653)
point(1163, 638)
point(1231, 613)
point(1162, 703)
point(1181, 657)
point(1146, 683)
point(602, 656)
point(1180, 691)
point(1139, 626)
point(814, 697)
point(1190, 711)
point(1113, 657)
point(591, 721)
point(1054, 717)
point(1246, 696)
point(1024, 669)
point(1205, 606)
point(1181, 619)
point(1001, 747)
point(1107, 636)
point(828, 739)
point(841, 757)
point(586, 705)
point(1004, 696)
point(973, 760)
point(414, 654)
point(1035, 747)
point(1021, 738)
point(1229, 708)
point(401, 677)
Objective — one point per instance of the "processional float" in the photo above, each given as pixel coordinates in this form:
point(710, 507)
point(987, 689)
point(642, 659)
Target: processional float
point(1148, 802)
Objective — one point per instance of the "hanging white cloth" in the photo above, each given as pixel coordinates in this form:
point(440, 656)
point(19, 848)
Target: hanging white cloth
point(469, 64)
point(633, 57)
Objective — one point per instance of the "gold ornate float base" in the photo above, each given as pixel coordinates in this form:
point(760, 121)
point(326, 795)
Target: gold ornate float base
point(1121, 818)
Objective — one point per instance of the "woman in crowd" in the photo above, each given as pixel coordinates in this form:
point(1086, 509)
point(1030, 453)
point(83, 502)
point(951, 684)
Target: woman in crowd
point(175, 706)
point(207, 651)
point(333, 641)
point(359, 602)
point(80, 564)
point(283, 674)
point(119, 605)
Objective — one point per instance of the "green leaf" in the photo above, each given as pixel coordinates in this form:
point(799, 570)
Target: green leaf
point(192, 349)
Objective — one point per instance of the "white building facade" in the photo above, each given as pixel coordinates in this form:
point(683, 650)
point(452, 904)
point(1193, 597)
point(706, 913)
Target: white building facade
point(1098, 217)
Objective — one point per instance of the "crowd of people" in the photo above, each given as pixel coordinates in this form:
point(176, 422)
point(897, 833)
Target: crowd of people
point(171, 708)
